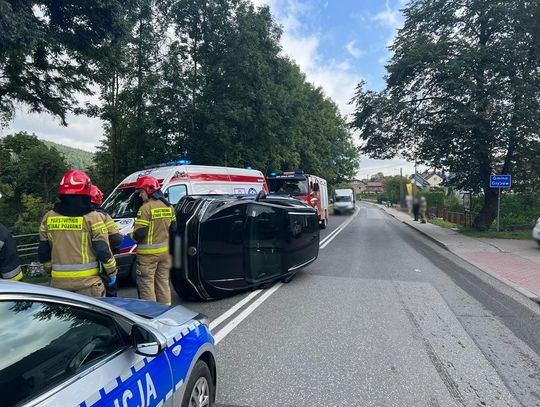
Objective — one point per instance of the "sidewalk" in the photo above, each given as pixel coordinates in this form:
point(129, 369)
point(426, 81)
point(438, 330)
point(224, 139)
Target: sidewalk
point(514, 262)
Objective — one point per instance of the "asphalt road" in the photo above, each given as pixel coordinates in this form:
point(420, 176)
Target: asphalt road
point(382, 318)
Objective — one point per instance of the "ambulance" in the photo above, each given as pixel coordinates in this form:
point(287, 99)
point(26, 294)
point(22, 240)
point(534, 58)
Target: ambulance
point(177, 179)
point(308, 188)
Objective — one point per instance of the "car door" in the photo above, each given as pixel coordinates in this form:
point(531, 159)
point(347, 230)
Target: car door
point(264, 241)
point(222, 247)
point(65, 354)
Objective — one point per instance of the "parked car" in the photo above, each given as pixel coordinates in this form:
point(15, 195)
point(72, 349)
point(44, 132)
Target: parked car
point(228, 244)
point(536, 232)
point(65, 349)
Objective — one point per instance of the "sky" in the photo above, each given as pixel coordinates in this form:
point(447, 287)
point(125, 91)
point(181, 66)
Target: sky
point(336, 43)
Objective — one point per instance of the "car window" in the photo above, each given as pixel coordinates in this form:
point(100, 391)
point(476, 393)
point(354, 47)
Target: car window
point(44, 344)
point(123, 203)
point(175, 192)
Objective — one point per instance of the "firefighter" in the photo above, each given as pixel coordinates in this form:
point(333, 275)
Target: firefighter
point(154, 225)
point(115, 237)
point(10, 266)
point(423, 209)
point(73, 238)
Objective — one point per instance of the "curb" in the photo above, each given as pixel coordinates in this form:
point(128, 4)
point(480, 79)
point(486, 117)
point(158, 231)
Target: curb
point(519, 289)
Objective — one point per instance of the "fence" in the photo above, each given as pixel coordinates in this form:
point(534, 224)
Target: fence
point(27, 246)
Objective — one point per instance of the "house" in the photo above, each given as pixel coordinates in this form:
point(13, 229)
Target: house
point(375, 186)
point(433, 179)
point(358, 186)
point(420, 181)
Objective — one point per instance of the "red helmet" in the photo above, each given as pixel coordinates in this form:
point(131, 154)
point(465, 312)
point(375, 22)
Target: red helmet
point(75, 182)
point(148, 183)
point(96, 196)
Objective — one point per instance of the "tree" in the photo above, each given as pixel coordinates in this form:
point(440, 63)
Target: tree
point(29, 176)
point(462, 93)
point(394, 187)
point(48, 51)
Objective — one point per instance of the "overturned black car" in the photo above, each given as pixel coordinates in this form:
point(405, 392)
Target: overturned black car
point(228, 244)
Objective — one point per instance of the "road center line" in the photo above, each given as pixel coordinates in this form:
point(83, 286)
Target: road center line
point(223, 332)
point(329, 239)
point(232, 310)
point(244, 314)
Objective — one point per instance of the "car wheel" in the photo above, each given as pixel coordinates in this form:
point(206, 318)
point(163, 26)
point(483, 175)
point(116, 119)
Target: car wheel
point(538, 241)
point(200, 391)
point(323, 223)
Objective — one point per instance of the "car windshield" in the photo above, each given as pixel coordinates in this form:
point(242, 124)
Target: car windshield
point(292, 187)
point(123, 203)
point(343, 198)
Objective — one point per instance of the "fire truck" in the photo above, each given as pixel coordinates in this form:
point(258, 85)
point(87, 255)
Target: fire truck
point(304, 187)
point(177, 179)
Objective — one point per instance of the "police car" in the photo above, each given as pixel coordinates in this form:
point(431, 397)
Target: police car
point(64, 349)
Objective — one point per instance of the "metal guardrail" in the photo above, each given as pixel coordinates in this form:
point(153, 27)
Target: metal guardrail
point(27, 246)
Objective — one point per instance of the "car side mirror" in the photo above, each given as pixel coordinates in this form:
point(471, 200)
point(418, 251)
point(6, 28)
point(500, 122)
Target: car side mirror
point(145, 342)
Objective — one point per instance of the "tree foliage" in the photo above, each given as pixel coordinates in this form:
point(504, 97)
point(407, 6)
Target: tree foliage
point(48, 50)
point(29, 177)
point(462, 93)
point(213, 87)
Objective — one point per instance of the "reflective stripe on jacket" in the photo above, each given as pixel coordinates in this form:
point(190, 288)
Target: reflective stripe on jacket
point(73, 241)
point(157, 217)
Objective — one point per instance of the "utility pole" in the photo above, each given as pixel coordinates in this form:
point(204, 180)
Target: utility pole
point(414, 183)
point(401, 188)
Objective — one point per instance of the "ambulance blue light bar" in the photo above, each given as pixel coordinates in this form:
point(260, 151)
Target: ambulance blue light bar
point(170, 164)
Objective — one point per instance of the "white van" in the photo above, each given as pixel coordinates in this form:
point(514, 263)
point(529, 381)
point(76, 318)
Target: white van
point(344, 201)
point(177, 179)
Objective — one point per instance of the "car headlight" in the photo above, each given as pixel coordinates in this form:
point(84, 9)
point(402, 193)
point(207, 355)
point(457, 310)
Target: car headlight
point(203, 319)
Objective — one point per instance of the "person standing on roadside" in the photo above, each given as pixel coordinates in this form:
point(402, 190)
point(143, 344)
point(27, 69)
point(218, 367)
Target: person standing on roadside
point(10, 265)
point(416, 209)
point(155, 223)
point(73, 240)
point(423, 209)
point(115, 237)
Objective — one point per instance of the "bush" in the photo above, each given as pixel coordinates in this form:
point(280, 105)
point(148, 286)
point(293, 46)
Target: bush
point(434, 199)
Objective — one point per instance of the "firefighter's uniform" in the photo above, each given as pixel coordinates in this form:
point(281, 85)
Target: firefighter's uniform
point(76, 245)
point(10, 268)
point(151, 232)
point(115, 237)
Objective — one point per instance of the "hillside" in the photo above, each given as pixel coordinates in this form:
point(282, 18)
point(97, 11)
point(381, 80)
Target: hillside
point(75, 157)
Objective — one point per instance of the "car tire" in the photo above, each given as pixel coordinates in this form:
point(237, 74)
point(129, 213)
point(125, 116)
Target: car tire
point(538, 241)
point(200, 387)
point(323, 223)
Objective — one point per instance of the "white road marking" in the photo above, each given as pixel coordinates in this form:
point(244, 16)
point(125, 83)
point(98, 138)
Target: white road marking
point(336, 232)
point(223, 332)
point(232, 310)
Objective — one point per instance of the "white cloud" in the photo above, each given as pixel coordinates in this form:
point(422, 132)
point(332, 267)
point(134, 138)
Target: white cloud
point(82, 132)
point(354, 51)
point(391, 16)
point(336, 78)
point(303, 49)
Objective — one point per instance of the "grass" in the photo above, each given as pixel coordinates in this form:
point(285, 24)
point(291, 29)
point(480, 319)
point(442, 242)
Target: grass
point(490, 234)
point(443, 223)
point(493, 234)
